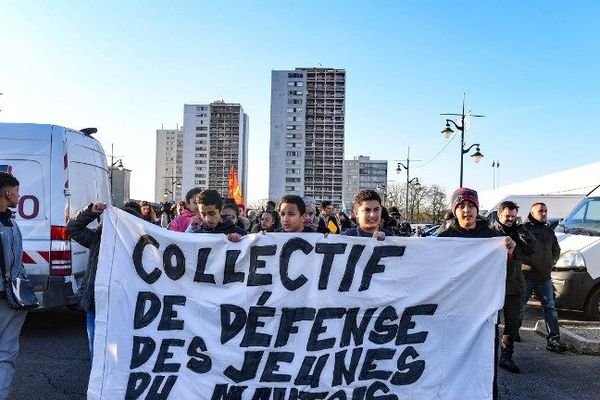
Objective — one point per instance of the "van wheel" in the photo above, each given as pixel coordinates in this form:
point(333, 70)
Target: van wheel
point(592, 308)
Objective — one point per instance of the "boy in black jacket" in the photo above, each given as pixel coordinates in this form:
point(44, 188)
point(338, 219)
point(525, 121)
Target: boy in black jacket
point(210, 205)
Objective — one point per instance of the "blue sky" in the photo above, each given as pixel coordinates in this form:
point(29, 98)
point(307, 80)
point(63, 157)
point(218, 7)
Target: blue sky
point(128, 68)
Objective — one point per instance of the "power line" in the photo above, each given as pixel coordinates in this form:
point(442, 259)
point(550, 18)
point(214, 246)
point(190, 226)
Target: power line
point(438, 154)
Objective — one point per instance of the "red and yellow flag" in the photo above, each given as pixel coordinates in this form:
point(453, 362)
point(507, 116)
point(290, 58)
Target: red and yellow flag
point(235, 192)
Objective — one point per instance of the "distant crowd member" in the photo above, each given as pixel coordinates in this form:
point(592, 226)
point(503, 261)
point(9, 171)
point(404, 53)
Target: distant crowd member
point(181, 222)
point(178, 208)
point(230, 210)
point(399, 226)
point(236, 213)
point(11, 320)
point(464, 204)
point(209, 204)
point(292, 211)
point(367, 207)
point(345, 222)
point(271, 205)
point(311, 219)
point(268, 222)
point(147, 212)
point(507, 225)
point(252, 216)
point(165, 214)
point(243, 220)
point(328, 219)
point(419, 231)
point(537, 268)
point(134, 205)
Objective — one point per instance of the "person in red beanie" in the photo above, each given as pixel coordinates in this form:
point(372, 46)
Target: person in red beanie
point(464, 203)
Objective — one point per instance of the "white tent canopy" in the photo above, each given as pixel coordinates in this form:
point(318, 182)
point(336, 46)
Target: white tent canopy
point(580, 181)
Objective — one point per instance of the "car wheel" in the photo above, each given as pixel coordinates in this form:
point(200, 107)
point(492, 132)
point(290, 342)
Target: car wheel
point(592, 308)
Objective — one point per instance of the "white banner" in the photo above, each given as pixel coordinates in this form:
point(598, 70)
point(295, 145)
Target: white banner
point(293, 316)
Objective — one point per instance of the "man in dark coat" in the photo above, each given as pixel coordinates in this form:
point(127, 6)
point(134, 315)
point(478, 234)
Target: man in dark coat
point(507, 225)
point(537, 268)
point(90, 238)
point(465, 206)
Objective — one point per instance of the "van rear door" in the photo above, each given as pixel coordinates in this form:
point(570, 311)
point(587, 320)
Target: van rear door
point(25, 153)
point(88, 183)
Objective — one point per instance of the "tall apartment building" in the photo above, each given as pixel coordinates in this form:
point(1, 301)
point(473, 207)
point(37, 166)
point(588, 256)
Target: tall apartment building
point(120, 183)
point(215, 138)
point(362, 173)
point(307, 133)
point(168, 173)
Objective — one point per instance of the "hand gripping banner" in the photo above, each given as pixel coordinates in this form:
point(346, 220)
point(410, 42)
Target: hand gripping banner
point(293, 316)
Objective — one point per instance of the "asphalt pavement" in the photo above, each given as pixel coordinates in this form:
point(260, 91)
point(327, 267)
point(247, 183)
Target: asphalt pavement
point(53, 363)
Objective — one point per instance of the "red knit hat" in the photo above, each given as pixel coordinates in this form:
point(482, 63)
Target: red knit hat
point(463, 194)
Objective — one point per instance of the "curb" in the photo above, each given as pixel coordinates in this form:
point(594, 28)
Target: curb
point(576, 343)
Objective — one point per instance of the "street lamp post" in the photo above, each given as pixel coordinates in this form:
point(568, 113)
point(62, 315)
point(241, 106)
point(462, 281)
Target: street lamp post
point(447, 132)
point(408, 180)
point(113, 164)
point(495, 166)
point(381, 186)
point(175, 182)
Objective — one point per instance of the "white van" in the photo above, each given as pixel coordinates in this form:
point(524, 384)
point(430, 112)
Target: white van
point(559, 205)
point(576, 274)
point(60, 171)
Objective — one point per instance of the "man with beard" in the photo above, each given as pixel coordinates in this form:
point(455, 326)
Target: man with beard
point(507, 225)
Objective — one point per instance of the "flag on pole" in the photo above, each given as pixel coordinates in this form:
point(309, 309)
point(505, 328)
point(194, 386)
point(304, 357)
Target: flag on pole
point(235, 192)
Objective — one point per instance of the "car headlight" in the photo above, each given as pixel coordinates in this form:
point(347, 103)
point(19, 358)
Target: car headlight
point(571, 260)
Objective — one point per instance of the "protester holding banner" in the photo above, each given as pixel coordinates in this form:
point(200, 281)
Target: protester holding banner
point(465, 206)
point(292, 210)
point(11, 319)
point(367, 207)
point(90, 238)
point(210, 205)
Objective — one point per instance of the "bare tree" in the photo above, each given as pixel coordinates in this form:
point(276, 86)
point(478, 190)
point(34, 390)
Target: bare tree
point(394, 196)
point(260, 204)
point(438, 203)
point(416, 199)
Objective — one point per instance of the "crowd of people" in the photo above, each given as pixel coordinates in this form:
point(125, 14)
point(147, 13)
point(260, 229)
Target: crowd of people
point(532, 247)
point(322, 218)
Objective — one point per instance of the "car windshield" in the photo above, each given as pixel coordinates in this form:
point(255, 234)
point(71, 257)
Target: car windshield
point(584, 219)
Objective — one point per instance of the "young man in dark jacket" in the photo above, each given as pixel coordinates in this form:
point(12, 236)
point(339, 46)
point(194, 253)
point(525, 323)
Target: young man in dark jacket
point(507, 225)
point(210, 205)
point(537, 268)
point(465, 206)
point(11, 320)
point(367, 208)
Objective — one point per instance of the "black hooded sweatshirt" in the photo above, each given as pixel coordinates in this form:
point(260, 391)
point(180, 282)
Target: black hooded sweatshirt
point(515, 282)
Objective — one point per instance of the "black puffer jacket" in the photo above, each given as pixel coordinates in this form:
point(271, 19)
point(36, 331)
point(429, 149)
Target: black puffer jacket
point(481, 230)
point(90, 238)
point(526, 242)
point(539, 264)
point(225, 226)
